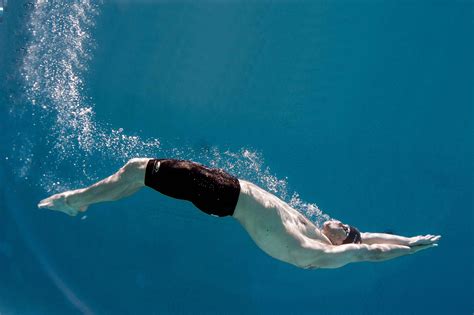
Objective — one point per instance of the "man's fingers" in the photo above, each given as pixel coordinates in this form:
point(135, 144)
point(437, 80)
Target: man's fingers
point(434, 238)
point(424, 239)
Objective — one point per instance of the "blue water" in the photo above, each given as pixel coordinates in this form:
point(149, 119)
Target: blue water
point(360, 111)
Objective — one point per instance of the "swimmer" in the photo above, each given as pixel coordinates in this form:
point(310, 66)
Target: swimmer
point(279, 230)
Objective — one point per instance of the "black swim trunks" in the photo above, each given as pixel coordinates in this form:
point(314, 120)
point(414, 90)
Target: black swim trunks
point(211, 190)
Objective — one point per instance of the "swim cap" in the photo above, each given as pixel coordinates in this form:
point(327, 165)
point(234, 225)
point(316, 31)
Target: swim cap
point(353, 236)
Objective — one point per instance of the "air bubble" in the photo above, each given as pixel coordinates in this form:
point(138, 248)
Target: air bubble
point(53, 67)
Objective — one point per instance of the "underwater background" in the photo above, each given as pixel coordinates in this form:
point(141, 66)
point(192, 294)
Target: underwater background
point(356, 110)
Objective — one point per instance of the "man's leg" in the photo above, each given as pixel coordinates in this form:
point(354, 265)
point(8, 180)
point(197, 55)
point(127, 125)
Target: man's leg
point(126, 181)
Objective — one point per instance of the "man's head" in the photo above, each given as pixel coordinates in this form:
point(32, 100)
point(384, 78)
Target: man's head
point(339, 233)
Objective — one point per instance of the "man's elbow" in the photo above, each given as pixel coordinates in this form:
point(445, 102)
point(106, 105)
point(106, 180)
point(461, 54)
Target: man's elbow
point(374, 254)
point(333, 265)
point(333, 261)
point(326, 265)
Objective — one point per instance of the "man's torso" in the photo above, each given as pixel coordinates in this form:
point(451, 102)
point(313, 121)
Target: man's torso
point(278, 229)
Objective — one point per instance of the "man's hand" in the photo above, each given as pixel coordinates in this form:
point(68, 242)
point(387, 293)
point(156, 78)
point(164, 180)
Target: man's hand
point(423, 240)
point(417, 248)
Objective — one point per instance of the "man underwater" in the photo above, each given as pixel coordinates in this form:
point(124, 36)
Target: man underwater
point(278, 229)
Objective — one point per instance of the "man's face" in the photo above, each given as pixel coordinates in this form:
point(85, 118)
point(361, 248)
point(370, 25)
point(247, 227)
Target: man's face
point(335, 231)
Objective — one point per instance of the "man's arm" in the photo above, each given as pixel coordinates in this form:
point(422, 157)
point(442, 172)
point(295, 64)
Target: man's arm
point(338, 256)
point(382, 238)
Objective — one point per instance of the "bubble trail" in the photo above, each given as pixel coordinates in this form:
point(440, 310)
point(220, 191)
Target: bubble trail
point(56, 58)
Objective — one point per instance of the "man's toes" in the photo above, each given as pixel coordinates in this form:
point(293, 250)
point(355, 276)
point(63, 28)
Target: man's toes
point(45, 203)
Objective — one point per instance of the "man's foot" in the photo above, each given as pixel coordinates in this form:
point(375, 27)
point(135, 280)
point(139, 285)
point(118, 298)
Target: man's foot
point(59, 202)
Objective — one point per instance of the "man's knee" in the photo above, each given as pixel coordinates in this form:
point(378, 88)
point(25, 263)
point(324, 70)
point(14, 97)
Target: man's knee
point(136, 163)
point(134, 169)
